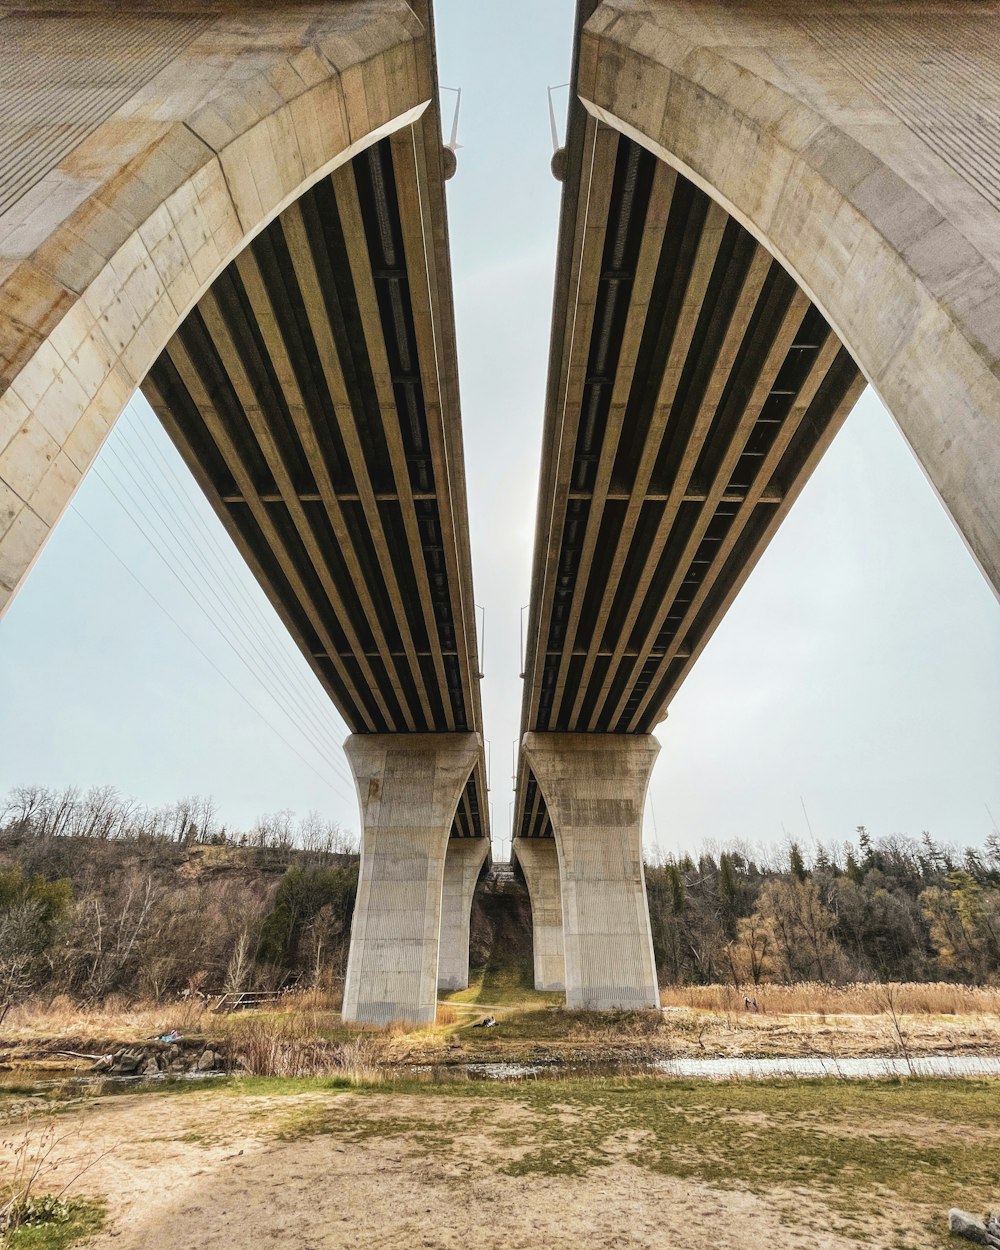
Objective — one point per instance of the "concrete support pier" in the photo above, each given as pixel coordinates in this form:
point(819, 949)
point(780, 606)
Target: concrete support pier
point(539, 860)
point(409, 786)
point(595, 790)
point(463, 863)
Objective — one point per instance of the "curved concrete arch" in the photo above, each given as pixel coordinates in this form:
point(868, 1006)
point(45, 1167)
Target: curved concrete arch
point(113, 238)
point(853, 141)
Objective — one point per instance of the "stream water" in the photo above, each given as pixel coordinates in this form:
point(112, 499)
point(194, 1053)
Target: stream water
point(72, 1080)
point(723, 1068)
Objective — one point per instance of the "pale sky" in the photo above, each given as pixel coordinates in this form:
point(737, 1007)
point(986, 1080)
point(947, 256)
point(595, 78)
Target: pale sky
point(855, 681)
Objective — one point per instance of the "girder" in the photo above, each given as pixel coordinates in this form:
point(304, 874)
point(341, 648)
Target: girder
point(304, 392)
point(693, 387)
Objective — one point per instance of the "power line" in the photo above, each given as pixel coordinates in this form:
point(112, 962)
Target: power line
point(137, 520)
point(274, 729)
point(224, 553)
point(251, 638)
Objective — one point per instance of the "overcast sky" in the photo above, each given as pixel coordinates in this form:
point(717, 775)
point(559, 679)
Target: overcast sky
point(855, 681)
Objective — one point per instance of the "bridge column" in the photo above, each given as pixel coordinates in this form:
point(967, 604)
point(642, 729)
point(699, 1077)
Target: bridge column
point(539, 860)
point(409, 786)
point(594, 787)
point(463, 861)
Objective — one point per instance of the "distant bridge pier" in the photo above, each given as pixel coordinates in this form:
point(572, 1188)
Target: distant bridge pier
point(409, 786)
point(463, 864)
point(539, 860)
point(594, 786)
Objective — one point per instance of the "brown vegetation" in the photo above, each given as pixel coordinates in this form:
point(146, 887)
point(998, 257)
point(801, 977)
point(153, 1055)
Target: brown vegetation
point(939, 998)
point(879, 910)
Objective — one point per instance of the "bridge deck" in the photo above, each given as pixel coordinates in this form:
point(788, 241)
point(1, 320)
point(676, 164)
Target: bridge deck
point(693, 389)
point(308, 393)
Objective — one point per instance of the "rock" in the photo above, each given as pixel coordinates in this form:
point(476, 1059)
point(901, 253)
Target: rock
point(127, 1064)
point(152, 1068)
point(207, 1061)
point(971, 1227)
point(177, 1065)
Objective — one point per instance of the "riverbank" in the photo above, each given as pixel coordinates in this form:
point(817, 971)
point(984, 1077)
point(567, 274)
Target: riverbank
point(815, 1165)
point(304, 1035)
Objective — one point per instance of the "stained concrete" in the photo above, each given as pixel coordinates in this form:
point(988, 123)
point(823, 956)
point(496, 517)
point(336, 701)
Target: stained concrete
point(463, 863)
point(594, 786)
point(208, 125)
point(539, 860)
point(408, 786)
point(852, 139)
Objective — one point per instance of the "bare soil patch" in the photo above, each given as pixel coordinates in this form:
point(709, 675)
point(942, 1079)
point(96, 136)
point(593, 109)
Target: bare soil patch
point(816, 1166)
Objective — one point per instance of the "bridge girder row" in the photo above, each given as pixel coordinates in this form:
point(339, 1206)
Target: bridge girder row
point(306, 392)
point(693, 389)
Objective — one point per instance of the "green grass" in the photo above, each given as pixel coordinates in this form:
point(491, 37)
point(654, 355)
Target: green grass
point(86, 1217)
point(851, 1146)
point(854, 1150)
point(503, 985)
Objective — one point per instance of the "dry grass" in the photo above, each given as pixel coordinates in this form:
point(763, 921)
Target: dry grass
point(61, 1017)
point(292, 1045)
point(862, 998)
point(119, 1017)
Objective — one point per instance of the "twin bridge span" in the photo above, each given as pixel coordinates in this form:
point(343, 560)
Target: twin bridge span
point(240, 208)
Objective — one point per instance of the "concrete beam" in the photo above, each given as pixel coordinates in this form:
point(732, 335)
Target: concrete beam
point(222, 121)
point(594, 787)
point(861, 174)
point(409, 786)
point(539, 860)
point(463, 863)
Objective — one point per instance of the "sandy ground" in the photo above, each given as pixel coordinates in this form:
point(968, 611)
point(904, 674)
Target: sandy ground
point(210, 1171)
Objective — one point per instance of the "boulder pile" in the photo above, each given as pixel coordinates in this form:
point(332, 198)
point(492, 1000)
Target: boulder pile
point(153, 1058)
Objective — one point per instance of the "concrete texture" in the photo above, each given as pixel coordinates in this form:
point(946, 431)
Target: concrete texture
point(408, 787)
point(855, 141)
point(137, 159)
point(539, 860)
point(594, 786)
point(463, 862)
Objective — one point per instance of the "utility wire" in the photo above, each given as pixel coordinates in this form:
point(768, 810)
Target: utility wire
point(274, 729)
point(251, 638)
point(224, 553)
point(137, 520)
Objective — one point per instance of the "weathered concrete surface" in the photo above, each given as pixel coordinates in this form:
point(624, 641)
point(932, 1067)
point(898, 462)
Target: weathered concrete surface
point(408, 787)
point(463, 862)
point(139, 154)
point(594, 786)
point(539, 860)
point(857, 142)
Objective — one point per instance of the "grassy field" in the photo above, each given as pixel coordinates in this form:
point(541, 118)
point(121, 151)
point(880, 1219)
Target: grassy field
point(823, 1165)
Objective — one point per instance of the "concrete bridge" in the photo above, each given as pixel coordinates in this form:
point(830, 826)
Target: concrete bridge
point(240, 209)
point(765, 205)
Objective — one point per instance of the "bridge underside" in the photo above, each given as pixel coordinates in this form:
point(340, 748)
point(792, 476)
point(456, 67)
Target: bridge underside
point(302, 393)
point(698, 393)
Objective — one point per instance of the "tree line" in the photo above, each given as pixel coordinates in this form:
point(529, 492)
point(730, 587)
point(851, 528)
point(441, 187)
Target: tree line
point(101, 896)
point(103, 812)
point(891, 908)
